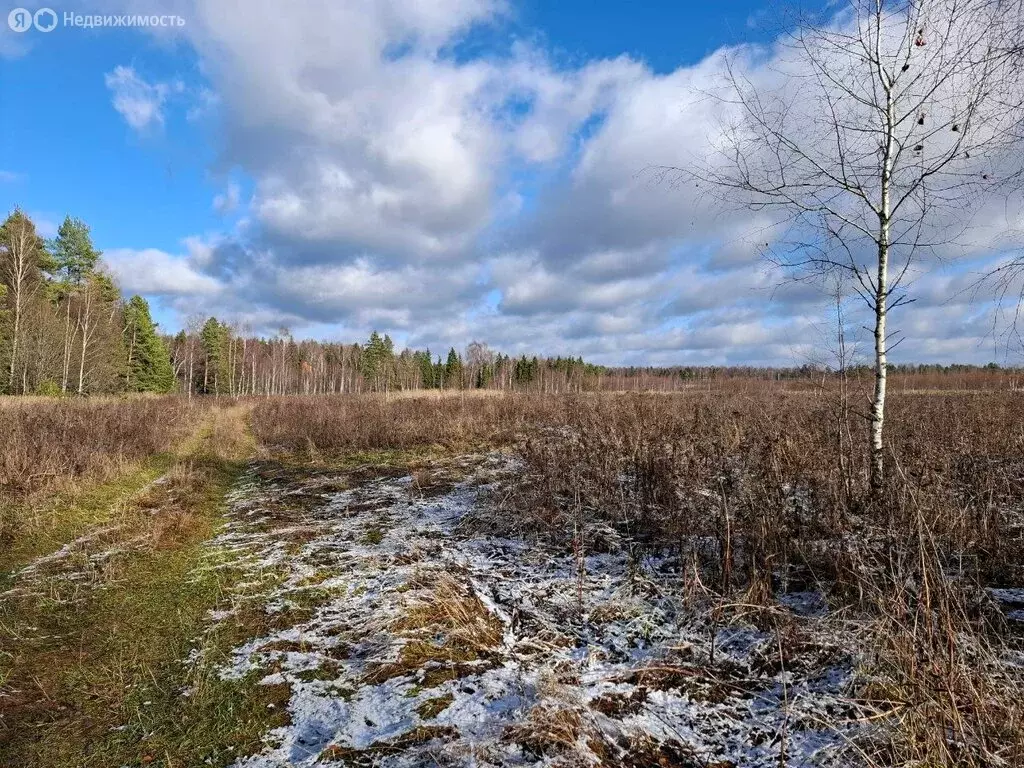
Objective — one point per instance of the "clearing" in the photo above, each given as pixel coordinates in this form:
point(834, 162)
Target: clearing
point(376, 584)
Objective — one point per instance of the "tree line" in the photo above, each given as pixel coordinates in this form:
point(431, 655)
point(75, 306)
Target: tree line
point(214, 358)
point(66, 329)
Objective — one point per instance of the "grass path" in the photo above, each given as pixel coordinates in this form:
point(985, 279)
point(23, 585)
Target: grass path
point(93, 630)
point(75, 514)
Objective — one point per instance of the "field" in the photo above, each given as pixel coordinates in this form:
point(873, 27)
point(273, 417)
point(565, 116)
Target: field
point(696, 578)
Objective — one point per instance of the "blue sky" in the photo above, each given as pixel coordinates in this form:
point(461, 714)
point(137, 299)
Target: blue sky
point(664, 34)
point(74, 153)
point(446, 171)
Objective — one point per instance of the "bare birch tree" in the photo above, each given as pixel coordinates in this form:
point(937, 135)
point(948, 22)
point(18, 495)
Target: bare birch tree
point(22, 257)
point(873, 139)
point(96, 321)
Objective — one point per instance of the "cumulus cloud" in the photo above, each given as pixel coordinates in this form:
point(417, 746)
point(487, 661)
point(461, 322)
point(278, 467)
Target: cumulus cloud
point(399, 181)
point(157, 273)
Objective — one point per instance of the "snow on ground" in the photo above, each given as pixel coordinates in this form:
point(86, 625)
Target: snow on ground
point(77, 563)
point(1011, 601)
point(406, 639)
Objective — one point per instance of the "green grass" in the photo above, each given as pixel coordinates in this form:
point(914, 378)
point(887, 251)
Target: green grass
point(100, 681)
point(431, 708)
point(73, 513)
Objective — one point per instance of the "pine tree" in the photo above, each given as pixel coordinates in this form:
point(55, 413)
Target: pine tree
point(439, 374)
point(378, 362)
point(74, 260)
point(73, 254)
point(426, 370)
point(148, 362)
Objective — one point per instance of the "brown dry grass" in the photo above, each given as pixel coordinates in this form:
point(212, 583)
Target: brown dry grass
point(760, 490)
point(548, 730)
point(445, 628)
point(336, 424)
point(757, 490)
point(451, 607)
point(69, 465)
point(53, 446)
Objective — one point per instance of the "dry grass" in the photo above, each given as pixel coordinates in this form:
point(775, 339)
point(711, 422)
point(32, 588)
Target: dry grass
point(335, 424)
point(561, 730)
point(762, 490)
point(445, 630)
point(431, 708)
point(451, 608)
point(53, 442)
point(227, 432)
point(549, 730)
point(54, 447)
point(935, 671)
point(757, 490)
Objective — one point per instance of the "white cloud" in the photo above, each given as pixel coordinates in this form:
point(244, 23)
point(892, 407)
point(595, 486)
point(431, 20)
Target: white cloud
point(227, 201)
point(204, 103)
point(499, 197)
point(140, 103)
point(157, 273)
point(46, 222)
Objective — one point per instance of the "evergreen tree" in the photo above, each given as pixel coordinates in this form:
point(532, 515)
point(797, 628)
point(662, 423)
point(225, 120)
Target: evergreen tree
point(212, 340)
point(72, 252)
point(426, 369)
point(74, 260)
point(453, 370)
point(378, 362)
point(439, 374)
point(148, 363)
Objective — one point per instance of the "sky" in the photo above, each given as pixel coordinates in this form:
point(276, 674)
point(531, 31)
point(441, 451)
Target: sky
point(443, 171)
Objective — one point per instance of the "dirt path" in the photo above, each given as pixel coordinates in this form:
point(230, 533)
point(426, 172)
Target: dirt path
point(401, 637)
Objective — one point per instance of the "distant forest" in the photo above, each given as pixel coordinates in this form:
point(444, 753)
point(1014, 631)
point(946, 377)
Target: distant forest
point(66, 329)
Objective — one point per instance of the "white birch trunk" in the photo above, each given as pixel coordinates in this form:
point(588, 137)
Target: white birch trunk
point(881, 302)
